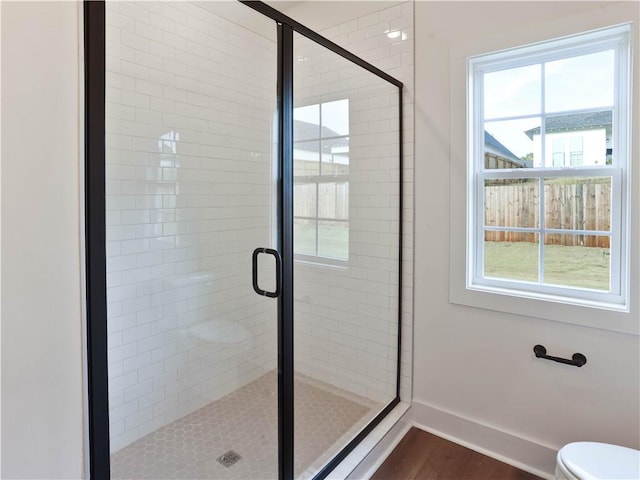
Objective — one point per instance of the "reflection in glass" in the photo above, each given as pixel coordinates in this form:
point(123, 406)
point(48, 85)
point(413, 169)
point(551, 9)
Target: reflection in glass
point(306, 158)
point(321, 157)
point(335, 118)
point(580, 83)
point(321, 154)
point(510, 260)
point(581, 261)
point(512, 202)
point(305, 204)
point(306, 123)
point(333, 239)
point(582, 203)
point(304, 232)
point(513, 92)
point(335, 156)
point(334, 201)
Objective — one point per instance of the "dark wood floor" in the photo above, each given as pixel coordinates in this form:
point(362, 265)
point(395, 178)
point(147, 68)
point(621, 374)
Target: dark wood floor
point(421, 455)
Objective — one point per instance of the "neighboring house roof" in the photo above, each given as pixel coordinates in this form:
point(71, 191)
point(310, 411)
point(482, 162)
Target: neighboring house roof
point(574, 121)
point(492, 145)
point(307, 133)
point(310, 131)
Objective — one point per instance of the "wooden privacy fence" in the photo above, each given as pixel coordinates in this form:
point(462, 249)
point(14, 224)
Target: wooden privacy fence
point(575, 205)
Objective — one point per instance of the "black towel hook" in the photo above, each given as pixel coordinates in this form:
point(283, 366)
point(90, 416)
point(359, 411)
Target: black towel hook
point(577, 360)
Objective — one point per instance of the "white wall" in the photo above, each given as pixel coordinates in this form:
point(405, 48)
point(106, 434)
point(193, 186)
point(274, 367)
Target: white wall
point(474, 368)
point(42, 392)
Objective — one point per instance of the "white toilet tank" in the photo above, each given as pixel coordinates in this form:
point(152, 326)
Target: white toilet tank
point(597, 461)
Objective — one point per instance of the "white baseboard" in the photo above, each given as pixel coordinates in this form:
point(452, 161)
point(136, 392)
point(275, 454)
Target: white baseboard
point(506, 447)
point(514, 450)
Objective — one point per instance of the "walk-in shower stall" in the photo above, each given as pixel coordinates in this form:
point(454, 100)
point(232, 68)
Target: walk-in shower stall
point(243, 187)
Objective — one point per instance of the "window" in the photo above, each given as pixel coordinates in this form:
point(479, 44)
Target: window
point(321, 181)
point(549, 220)
point(576, 151)
point(558, 152)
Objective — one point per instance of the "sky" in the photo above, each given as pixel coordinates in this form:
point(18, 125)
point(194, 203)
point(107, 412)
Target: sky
point(571, 84)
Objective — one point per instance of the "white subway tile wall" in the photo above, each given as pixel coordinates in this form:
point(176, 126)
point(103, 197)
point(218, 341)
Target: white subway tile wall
point(346, 318)
point(190, 105)
point(388, 43)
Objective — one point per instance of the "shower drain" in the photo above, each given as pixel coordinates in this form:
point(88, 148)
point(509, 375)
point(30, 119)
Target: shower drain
point(229, 459)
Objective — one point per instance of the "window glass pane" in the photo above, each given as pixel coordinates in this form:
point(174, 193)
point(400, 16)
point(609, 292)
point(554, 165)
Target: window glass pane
point(558, 159)
point(306, 122)
point(576, 151)
point(576, 159)
point(577, 261)
point(335, 156)
point(334, 200)
point(333, 239)
point(582, 203)
point(304, 200)
point(306, 158)
point(304, 236)
point(585, 137)
point(510, 260)
point(335, 118)
point(512, 202)
point(512, 144)
point(580, 82)
point(513, 92)
point(558, 148)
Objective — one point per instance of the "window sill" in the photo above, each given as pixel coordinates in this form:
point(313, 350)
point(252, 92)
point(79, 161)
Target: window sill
point(603, 316)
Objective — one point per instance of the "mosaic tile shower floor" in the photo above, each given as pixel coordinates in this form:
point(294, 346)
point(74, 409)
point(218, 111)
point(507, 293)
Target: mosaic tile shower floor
point(245, 421)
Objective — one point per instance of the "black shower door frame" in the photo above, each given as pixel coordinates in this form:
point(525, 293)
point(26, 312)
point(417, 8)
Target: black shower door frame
point(95, 236)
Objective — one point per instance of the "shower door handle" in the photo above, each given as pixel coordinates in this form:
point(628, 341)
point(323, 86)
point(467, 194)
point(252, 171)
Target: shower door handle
point(256, 287)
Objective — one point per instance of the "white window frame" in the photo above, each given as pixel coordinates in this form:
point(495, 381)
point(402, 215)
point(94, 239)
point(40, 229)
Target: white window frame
point(616, 38)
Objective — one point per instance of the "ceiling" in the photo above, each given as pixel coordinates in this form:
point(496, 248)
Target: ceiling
point(321, 14)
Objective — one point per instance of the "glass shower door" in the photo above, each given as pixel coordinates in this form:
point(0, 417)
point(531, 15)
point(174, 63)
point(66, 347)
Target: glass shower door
point(190, 184)
point(347, 250)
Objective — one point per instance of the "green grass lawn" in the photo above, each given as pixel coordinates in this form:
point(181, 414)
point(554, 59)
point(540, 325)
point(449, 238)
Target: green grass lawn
point(586, 267)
